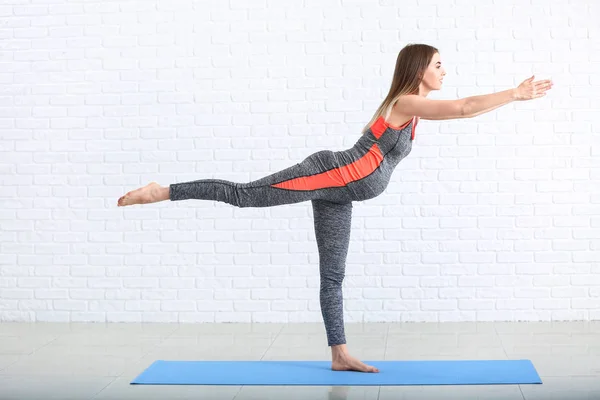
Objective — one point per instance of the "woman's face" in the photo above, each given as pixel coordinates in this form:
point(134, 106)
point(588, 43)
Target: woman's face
point(434, 74)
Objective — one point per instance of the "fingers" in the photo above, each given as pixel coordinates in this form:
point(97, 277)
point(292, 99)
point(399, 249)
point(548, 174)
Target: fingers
point(541, 87)
point(533, 90)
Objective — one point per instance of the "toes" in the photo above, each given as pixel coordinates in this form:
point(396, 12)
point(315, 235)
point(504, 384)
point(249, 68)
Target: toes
point(368, 368)
point(122, 200)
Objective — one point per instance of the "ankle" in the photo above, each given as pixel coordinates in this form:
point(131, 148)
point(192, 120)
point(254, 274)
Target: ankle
point(339, 351)
point(164, 193)
point(160, 193)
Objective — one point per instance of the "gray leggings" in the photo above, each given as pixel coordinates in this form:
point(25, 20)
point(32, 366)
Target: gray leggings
point(331, 181)
point(332, 229)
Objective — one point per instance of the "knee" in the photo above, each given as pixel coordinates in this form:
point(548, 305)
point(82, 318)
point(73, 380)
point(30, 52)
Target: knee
point(332, 279)
point(238, 197)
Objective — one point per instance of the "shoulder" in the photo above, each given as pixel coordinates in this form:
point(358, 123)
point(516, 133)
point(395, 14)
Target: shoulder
point(397, 117)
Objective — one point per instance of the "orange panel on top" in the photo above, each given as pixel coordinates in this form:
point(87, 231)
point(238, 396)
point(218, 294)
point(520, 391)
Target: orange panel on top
point(380, 125)
point(414, 127)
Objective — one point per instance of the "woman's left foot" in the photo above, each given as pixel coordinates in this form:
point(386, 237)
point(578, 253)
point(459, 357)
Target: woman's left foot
point(151, 193)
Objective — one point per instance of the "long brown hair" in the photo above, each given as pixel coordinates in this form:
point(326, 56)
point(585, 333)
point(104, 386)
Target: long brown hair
point(411, 64)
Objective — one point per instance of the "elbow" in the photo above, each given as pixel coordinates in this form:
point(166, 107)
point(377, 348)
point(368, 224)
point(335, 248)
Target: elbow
point(465, 111)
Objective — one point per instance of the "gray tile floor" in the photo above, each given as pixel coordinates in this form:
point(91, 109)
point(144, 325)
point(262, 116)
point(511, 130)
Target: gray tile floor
point(97, 361)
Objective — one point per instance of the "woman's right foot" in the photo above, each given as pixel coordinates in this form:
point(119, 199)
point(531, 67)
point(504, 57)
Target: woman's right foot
point(151, 193)
point(349, 363)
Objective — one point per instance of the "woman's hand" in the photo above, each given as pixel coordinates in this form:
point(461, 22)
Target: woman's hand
point(529, 90)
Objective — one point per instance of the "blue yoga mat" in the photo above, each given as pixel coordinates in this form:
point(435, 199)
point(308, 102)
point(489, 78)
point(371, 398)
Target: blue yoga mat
point(318, 373)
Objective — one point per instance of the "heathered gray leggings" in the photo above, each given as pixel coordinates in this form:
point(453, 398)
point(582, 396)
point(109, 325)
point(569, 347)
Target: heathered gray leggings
point(331, 181)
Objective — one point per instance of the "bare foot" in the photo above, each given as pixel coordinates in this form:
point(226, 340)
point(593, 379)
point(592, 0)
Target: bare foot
point(349, 363)
point(151, 193)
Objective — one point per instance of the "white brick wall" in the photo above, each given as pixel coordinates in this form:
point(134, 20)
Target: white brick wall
point(491, 218)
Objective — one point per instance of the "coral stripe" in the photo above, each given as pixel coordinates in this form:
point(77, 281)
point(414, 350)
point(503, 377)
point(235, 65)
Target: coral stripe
point(338, 176)
point(359, 169)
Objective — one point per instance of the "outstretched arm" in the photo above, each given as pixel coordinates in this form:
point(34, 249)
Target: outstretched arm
point(469, 107)
point(527, 90)
point(477, 105)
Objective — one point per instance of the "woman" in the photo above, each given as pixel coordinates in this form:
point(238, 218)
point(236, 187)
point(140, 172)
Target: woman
point(333, 180)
